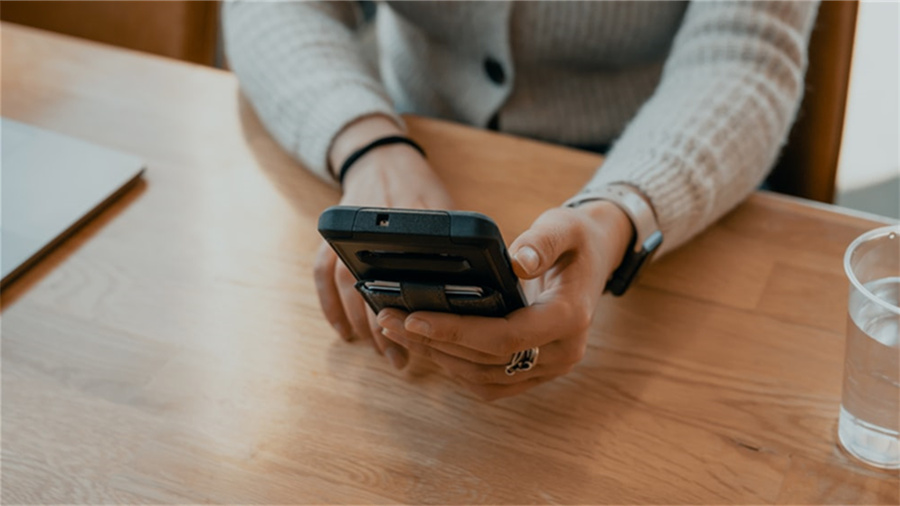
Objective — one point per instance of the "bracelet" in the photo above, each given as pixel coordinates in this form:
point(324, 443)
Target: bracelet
point(384, 141)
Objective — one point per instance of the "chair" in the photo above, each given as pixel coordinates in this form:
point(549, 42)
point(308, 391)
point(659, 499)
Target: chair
point(183, 29)
point(808, 165)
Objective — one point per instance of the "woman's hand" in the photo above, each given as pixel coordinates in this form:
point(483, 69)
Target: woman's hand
point(568, 254)
point(388, 176)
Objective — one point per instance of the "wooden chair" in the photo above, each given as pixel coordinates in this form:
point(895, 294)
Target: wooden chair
point(186, 30)
point(808, 165)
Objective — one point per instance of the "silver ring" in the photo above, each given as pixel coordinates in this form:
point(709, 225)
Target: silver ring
point(522, 361)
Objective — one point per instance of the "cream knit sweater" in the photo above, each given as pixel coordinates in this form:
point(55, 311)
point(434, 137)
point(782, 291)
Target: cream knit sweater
point(698, 97)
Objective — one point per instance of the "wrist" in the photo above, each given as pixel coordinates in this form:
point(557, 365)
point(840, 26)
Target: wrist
point(358, 134)
point(617, 231)
point(383, 164)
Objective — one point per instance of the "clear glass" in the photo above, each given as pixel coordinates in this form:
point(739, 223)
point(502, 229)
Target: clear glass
point(869, 424)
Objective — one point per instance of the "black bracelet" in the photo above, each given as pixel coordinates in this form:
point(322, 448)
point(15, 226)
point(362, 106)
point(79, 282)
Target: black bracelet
point(394, 139)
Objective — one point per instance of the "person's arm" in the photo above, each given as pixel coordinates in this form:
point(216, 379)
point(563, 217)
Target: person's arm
point(302, 68)
point(712, 130)
point(705, 139)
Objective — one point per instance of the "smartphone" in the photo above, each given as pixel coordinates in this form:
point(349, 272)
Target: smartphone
point(415, 260)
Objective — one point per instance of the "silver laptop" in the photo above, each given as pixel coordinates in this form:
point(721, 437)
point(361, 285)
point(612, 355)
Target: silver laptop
point(51, 184)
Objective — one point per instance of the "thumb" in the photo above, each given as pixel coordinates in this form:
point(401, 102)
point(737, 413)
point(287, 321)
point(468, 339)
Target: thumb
point(539, 247)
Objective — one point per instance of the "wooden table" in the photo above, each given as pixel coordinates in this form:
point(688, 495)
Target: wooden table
point(173, 350)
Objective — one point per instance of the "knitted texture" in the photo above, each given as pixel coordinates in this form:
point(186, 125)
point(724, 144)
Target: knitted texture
point(698, 97)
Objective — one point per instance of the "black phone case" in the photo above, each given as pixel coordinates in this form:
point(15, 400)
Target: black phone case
point(424, 251)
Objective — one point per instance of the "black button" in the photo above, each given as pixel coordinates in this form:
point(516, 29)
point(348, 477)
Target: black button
point(494, 123)
point(494, 70)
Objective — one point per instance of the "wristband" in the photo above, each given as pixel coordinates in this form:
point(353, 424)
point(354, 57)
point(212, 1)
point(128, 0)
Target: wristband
point(647, 237)
point(384, 141)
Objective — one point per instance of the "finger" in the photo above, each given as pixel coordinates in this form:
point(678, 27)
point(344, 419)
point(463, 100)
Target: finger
point(474, 373)
point(423, 346)
point(353, 303)
point(329, 297)
point(565, 352)
point(391, 313)
point(493, 392)
point(533, 326)
point(374, 328)
point(394, 351)
point(392, 319)
point(553, 234)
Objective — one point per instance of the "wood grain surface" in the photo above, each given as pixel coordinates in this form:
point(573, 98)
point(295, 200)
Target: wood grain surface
point(173, 350)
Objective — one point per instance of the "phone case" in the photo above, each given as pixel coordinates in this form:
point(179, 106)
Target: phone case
point(432, 297)
point(424, 251)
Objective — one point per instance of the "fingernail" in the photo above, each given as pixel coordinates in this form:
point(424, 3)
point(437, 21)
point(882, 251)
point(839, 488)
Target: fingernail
point(390, 322)
point(395, 356)
point(342, 331)
point(418, 326)
point(528, 259)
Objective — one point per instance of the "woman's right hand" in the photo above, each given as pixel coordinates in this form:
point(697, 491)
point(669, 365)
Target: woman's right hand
point(394, 175)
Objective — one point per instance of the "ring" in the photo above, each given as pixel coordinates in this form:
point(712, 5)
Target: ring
point(522, 361)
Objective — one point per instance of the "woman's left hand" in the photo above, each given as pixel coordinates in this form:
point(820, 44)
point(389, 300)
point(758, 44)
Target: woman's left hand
point(568, 255)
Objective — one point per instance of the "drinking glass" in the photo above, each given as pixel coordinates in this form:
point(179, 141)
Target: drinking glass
point(869, 424)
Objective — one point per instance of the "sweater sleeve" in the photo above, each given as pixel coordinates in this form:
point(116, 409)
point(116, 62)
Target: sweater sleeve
point(714, 126)
point(301, 66)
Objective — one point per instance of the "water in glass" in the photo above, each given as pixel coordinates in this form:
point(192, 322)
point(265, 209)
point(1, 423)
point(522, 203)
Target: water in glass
point(869, 425)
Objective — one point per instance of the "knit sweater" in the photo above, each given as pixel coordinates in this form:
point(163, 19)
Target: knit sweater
point(698, 97)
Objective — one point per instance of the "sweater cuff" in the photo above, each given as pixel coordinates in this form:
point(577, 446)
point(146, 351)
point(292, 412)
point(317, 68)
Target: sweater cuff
point(669, 197)
point(329, 117)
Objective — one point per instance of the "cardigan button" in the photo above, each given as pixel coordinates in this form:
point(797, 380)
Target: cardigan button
point(494, 71)
point(494, 122)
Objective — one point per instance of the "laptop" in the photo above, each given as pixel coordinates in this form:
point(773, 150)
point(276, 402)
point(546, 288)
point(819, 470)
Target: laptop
point(50, 185)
